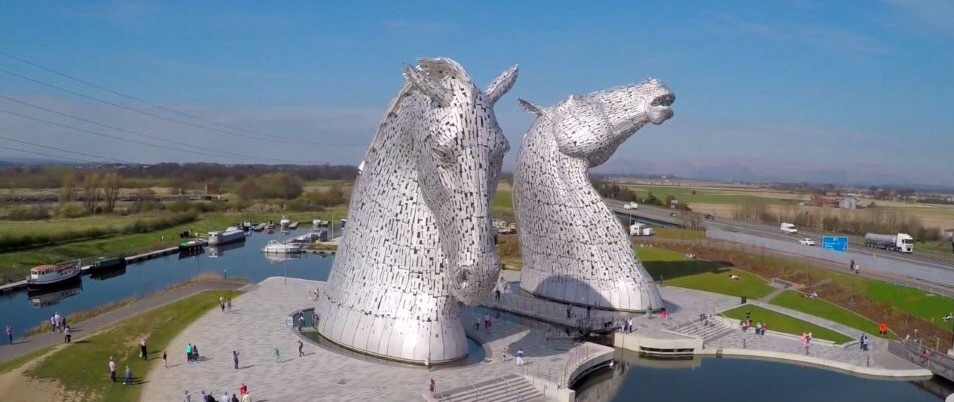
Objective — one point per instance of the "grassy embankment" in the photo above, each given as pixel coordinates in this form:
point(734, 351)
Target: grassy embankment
point(902, 308)
point(78, 368)
point(784, 323)
point(823, 309)
point(675, 270)
point(15, 265)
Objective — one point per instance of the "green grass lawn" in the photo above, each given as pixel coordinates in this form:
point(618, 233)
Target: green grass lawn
point(679, 234)
point(15, 265)
point(783, 323)
point(701, 196)
point(81, 367)
point(503, 199)
point(823, 309)
point(75, 224)
point(921, 304)
point(700, 275)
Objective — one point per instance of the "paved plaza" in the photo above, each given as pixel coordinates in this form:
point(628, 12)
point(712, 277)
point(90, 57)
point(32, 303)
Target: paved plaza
point(256, 325)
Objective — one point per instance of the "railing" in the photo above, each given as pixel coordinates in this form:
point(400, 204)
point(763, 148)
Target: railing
point(576, 358)
point(936, 361)
point(480, 396)
point(512, 391)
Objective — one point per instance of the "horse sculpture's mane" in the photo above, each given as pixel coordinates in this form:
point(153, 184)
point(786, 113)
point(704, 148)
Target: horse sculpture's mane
point(438, 68)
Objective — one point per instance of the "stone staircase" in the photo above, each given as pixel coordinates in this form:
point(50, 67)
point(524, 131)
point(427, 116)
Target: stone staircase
point(508, 388)
point(715, 329)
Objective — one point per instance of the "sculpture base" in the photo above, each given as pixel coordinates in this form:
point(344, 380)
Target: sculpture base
point(627, 296)
point(404, 340)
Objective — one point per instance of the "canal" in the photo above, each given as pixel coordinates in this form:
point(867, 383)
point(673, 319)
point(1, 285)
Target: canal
point(710, 379)
point(24, 310)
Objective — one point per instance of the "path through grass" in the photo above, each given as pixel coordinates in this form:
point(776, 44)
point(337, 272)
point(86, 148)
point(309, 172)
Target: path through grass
point(823, 309)
point(81, 367)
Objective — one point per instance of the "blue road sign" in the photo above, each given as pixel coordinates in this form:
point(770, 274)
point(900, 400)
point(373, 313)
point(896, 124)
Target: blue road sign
point(835, 243)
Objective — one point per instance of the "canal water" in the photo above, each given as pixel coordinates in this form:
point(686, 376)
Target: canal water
point(24, 310)
point(710, 379)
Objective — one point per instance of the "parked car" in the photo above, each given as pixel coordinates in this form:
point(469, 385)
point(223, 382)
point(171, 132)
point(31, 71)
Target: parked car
point(806, 242)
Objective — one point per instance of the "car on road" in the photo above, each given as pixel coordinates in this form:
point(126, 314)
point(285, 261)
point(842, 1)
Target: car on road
point(631, 205)
point(709, 217)
point(806, 241)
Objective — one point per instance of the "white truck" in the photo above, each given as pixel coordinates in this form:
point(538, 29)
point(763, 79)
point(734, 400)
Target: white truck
point(901, 242)
point(631, 205)
point(788, 228)
point(641, 229)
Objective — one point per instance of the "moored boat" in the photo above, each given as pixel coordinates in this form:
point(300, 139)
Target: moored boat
point(284, 222)
point(293, 225)
point(51, 275)
point(277, 247)
point(107, 263)
point(230, 235)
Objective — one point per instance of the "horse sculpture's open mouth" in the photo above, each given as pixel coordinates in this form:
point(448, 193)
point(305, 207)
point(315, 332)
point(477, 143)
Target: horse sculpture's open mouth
point(663, 100)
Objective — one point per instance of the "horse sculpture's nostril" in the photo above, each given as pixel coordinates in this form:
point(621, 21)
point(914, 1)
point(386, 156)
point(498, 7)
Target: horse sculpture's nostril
point(463, 276)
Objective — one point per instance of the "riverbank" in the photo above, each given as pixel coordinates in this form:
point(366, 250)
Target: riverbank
point(14, 266)
point(30, 345)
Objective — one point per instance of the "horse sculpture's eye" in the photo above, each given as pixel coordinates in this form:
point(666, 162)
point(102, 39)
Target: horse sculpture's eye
point(443, 156)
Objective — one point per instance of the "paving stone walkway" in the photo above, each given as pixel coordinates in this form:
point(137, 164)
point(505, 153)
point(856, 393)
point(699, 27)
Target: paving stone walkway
point(257, 324)
point(80, 329)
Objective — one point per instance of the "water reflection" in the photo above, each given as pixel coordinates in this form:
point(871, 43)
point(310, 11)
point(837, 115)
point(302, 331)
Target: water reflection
point(710, 379)
point(24, 310)
point(51, 297)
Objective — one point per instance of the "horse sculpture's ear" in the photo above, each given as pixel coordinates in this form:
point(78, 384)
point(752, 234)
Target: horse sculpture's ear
point(530, 107)
point(501, 84)
point(427, 86)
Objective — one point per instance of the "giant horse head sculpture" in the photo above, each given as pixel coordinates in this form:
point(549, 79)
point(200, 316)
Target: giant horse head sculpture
point(459, 150)
point(573, 247)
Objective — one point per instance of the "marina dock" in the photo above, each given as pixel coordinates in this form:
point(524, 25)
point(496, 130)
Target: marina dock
point(9, 287)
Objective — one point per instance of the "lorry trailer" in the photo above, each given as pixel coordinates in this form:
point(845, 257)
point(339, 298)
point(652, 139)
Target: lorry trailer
point(901, 242)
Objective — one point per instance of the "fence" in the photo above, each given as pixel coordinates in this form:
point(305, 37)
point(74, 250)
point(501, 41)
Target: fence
point(937, 362)
point(866, 261)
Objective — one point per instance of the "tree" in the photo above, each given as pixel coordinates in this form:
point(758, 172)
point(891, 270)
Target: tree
point(91, 191)
point(68, 188)
point(110, 184)
point(248, 189)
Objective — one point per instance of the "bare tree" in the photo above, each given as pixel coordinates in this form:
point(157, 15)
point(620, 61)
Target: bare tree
point(68, 189)
point(91, 191)
point(110, 183)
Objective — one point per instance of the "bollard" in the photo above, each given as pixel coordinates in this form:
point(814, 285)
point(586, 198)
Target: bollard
point(806, 350)
point(868, 361)
point(743, 343)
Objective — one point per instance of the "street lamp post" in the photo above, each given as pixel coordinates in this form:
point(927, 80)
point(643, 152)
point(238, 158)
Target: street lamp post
point(950, 317)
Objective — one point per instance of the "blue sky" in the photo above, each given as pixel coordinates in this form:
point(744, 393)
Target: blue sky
point(798, 90)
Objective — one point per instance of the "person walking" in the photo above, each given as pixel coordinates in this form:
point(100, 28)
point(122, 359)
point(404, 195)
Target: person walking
point(112, 369)
point(67, 334)
point(189, 353)
point(128, 380)
point(53, 324)
point(519, 357)
point(246, 398)
point(225, 396)
point(235, 359)
point(195, 353)
point(278, 355)
point(497, 295)
point(301, 321)
point(300, 346)
point(165, 361)
point(234, 398)
point(243, 389)
point(852, 266)
point(143, 351)
point(222, 303)
point(433, 388)
point(228, 304)
point(10, 334)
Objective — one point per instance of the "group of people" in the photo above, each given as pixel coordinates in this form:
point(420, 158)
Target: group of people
point(626, 325)
point(759, 326)
point(112, 372)
point(58, 323)
point(192, 353)
point(806, 339)
point(863, 342)
point(242, 396)
point(854, 267)
point(487, 322)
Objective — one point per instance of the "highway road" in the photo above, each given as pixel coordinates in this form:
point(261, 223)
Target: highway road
point(773, 232)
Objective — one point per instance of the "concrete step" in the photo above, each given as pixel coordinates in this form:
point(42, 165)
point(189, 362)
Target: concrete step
point(508, 388)
point(711, 332)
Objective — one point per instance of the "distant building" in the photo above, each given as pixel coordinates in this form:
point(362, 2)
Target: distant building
point(848, 203)
point(212, 189)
